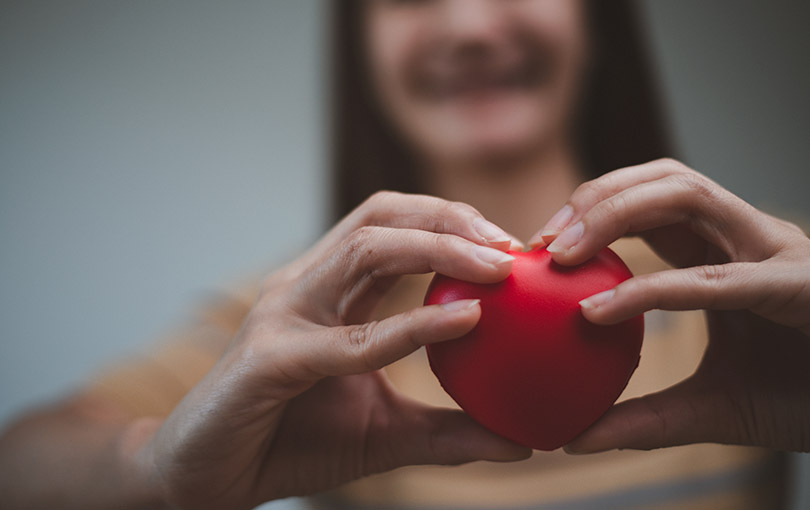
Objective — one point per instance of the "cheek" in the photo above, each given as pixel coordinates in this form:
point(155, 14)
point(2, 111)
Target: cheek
point(390, 40)
point(560, 22)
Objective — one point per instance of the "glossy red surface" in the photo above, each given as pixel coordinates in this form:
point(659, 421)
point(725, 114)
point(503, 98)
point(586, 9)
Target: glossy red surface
point(534, 370)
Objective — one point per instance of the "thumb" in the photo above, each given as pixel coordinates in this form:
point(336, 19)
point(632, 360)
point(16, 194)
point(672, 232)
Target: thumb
point(676, 416)
point(448, 436)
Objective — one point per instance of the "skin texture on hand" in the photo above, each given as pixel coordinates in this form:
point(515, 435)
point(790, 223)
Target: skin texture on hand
point(297, 403)
point(748, 270)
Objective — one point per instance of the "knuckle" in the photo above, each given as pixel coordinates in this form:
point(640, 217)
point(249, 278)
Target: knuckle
point(637, 287)
point(412, 339)
point(712, 274)
point(382, 197)
point(463, 209)
point(592, 192)
point(454, 211)
point(357, 247)
point(364, 242)
point(662, 422)
point(643, 289)
point(438, 224)
point(445, 242)
point(614, 207)
point(609, 182)
point(372, 210)
point(359, 341)
point(688, 180)
point(360, 237)
point(588, 189)
point(695, 185)
point(407, 332)
point(673, 165)
point(449, 215)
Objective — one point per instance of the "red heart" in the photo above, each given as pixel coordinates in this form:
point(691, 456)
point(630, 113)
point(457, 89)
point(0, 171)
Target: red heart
point(534, 370)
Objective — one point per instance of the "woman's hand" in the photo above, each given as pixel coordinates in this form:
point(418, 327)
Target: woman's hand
point(749, 270)
point(297, 405)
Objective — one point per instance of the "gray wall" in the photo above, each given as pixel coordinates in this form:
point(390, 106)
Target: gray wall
point(737, 75)
point(152, 152)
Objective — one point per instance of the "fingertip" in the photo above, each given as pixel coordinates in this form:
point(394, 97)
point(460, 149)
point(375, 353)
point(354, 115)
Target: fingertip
point(537, 240)
point(557, 223)
point(496, 259)
point(593, 307)
point(574, 449)
point(548, 237)
point(564, 245)
point(580, 448)
point(501, 245)
point(491, 234)
point(516, 245)
point(484, 444)
point(492, 266)
point(562, 258)
point(455, 319)
point(595, 439)
point(452, 437)
point(511, 452)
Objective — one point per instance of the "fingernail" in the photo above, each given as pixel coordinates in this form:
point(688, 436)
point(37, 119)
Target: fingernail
point(568, 239)
point(597, 300)
point(492, 256)
point(579, 451)
point(460, 305)
point(490, 232)
point(516, 245)
point(571, 451)
point(537, 241)
point(556, 224)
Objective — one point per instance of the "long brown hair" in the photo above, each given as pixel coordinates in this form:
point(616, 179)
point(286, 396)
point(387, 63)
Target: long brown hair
point(620, 118)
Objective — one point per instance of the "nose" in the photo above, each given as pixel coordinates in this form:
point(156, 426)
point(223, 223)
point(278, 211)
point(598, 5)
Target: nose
point(471, 21)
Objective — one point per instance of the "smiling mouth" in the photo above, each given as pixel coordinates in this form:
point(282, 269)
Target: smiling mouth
point(477, 81)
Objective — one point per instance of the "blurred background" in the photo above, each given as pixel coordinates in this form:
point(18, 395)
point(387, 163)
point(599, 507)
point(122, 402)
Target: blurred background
point(154, 152)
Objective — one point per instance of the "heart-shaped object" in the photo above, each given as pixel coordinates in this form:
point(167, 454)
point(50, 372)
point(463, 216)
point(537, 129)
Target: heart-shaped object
point(534, 370)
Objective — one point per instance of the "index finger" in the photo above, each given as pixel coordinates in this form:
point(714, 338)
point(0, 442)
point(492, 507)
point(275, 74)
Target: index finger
point(418, 212)
point(709, 211)
point(590, 193)
point(423, 212)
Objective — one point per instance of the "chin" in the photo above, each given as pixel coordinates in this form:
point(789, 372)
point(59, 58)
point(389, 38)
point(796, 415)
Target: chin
point(496, 142)
point(495, 131)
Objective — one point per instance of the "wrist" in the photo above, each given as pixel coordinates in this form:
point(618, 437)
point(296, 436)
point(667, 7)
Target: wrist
point(138, 470)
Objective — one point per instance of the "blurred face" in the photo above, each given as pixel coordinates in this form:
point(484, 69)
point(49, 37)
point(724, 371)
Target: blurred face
point(472, 80)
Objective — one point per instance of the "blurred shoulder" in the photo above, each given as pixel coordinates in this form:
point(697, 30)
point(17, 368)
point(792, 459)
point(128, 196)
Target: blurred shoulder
point(153, 381)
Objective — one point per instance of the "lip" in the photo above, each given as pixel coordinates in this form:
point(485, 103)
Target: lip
point(460, 80)
point(483, 83)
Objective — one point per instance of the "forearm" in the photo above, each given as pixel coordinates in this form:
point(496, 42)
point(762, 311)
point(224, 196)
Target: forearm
point(77, 456)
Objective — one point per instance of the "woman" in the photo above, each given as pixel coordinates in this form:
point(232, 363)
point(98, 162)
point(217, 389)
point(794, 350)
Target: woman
point(493, 104)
